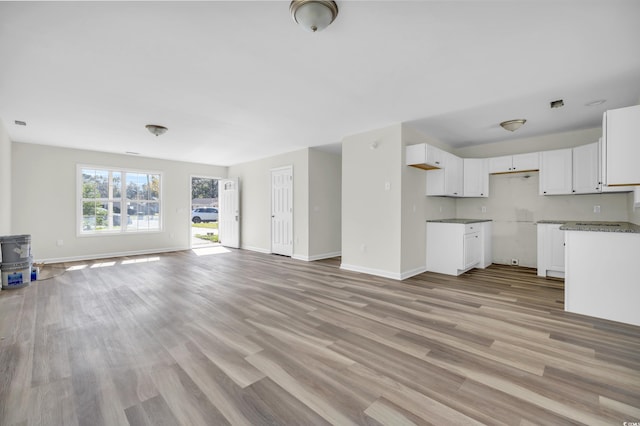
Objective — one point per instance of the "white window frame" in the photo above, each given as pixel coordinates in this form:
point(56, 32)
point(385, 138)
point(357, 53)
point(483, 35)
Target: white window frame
point(122, 199)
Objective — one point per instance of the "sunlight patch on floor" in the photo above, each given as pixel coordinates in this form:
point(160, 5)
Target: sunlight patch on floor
point(141, 260)
point(207, 251)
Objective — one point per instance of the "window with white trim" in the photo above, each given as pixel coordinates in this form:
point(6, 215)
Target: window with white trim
point(116, 201)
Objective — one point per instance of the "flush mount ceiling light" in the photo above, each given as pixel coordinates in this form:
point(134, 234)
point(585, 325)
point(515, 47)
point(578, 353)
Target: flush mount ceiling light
point(313, 15)
point(156, 129)
point(513, 125)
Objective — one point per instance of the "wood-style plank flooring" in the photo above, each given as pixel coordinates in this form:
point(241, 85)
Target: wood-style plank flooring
point(248, 339)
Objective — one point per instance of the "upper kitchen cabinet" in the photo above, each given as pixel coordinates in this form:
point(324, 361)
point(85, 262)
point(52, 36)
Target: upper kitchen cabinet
point(424, 156)
point(514, 163)
point(621, 146)
point(448, 180)
point(555, 172)
point(586, 169)
point(475, 177)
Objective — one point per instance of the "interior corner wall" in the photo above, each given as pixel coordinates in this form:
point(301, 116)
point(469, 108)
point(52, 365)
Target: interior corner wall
point(255, 201)
point(417, 208)
point(44, 203)
point(371, 202)
point(5, 181)
point(325, 204)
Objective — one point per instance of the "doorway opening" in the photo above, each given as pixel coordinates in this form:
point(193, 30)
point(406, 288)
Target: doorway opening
point(204, 212)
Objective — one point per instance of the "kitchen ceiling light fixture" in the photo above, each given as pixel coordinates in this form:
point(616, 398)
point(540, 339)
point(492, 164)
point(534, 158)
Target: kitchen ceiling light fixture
point(156, 129)
point(513, 125)
point(313, 15)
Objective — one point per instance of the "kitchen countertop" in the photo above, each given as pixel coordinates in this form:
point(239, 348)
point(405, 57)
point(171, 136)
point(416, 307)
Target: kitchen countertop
point(625, 227)
point(552, 222)
point(462, 221)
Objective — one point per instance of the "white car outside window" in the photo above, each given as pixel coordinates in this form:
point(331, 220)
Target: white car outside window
point(204, 214)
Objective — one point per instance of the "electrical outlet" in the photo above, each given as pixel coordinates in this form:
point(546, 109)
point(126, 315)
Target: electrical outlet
point(484, 209)
point(60, 243)
point(515, 262)
point(596, 209)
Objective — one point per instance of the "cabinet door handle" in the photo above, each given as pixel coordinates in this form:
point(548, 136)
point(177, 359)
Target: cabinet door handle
point(544, 192)
point(573, 190)
point(437, 162)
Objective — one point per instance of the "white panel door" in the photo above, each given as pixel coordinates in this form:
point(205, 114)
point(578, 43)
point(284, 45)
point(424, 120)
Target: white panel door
point(229, 213)
point(282, 211)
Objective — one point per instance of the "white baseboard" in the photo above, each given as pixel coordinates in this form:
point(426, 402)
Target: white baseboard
point(258, 249)
point(108, 255)
point(413, 272)
point(371, 271)
point(383, 273)
point(316, 256)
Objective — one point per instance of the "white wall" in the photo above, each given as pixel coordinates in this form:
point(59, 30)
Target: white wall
point(371, 201)
point(417, 208)
point(44, 202)
point(5, 181)
point(255, 201)
point(325, 204)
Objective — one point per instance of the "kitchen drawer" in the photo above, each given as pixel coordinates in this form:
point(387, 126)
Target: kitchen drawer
point(470, 228)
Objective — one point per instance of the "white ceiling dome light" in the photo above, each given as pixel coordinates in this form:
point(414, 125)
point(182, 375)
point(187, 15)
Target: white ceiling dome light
point(313, 15)
point(513, 125)
point(156, 129)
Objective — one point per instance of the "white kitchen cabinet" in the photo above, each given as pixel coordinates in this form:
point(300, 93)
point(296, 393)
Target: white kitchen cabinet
point(448, 180)
point(514, 163)
point(621, 146)
point(486, 237)
point(555, 172)
point(454, 248)
point(475, 177)
point(586, 169)
point(602, 173)
point(424, 156)
point(551, 250)
point(602, 275)
point(472, 249)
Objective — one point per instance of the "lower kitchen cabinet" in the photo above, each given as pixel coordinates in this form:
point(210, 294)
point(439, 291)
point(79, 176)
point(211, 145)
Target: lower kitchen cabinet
point(453, 247)
point(551, 250)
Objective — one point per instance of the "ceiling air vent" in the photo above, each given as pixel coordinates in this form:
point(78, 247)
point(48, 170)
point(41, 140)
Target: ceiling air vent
point(557, 104)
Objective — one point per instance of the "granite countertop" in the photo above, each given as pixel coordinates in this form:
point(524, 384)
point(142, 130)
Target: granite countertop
point(462, 221)
point(625, 227)
point(552, 222)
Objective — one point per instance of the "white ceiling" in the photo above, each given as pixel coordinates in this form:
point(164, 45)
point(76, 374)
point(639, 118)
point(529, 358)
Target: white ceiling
point(237, 81)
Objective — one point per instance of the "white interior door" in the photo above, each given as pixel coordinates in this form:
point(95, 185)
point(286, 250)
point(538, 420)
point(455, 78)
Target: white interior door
point(229, 212)
point(282, 211)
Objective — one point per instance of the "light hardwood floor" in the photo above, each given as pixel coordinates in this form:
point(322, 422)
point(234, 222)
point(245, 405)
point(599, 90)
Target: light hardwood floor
point(249, 339)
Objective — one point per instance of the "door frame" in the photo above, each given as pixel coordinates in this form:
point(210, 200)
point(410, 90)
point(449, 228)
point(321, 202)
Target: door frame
point(276, 169)
point(191, 176)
